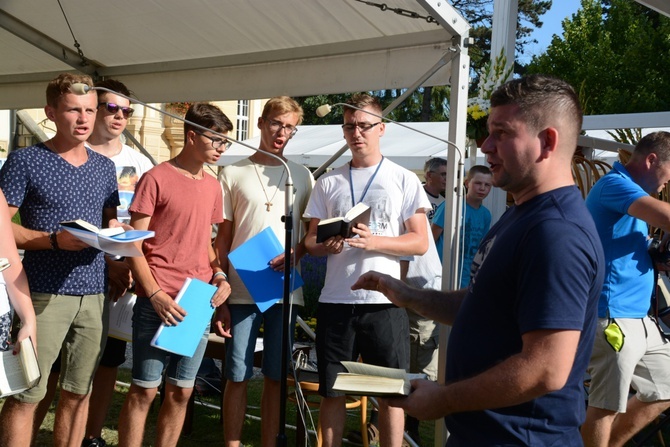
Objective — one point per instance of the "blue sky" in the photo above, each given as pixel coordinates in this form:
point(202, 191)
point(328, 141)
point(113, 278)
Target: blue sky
point(560, 9)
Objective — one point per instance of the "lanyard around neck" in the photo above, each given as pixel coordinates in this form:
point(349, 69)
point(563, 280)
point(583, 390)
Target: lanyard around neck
point(365, 190)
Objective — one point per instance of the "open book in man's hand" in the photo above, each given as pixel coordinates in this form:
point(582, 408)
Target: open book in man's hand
point(115, 241)
point(343, 225)
point(362, 379)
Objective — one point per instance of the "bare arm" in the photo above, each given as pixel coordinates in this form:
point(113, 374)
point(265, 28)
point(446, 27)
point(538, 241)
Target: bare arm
point(220, 281)
point(653, 211)
point(39, 240)
point(222, 244)
point(15, 277)
point(413, 242)
point(433, 304)
point(164, 305)
point(542, 366)
point(27, 239)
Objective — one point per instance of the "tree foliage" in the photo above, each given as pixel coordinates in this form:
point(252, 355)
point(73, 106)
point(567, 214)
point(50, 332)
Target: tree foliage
point(479, 14)
point(431, 103)
point(615, 52)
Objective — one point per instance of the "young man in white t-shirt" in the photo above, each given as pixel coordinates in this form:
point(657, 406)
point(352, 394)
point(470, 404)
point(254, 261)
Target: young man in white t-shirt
point(348, 319)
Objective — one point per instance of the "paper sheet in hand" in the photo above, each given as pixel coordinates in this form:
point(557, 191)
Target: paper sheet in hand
point(183, 339)
point(252, 262)
point(121, 317)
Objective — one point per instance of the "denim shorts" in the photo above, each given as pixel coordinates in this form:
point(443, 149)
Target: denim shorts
point(149, 362)
point(246, 323)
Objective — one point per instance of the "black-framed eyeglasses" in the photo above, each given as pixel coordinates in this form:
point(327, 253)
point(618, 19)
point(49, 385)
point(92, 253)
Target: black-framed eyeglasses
point(442, 174)
point(217, 142)
point(276, 126)
point(363, 127)
point(113, 108)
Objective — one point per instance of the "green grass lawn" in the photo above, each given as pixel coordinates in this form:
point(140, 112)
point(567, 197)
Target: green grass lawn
point(207, 429)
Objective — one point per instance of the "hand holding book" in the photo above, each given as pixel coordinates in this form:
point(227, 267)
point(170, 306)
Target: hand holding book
point(343, 226)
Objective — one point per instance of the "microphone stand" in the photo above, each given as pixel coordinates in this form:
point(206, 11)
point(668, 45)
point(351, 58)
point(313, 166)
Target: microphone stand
point(82, 89)
point(325, 109)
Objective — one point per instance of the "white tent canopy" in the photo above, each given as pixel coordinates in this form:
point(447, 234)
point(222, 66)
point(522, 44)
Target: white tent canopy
point(312, 146)
point(175, 50)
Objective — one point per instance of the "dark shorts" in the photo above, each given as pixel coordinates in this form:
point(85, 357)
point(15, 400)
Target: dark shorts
point(379, 333)
point(114, 354)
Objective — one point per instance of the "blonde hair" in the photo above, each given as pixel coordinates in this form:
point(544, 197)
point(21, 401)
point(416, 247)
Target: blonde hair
point(280, 105)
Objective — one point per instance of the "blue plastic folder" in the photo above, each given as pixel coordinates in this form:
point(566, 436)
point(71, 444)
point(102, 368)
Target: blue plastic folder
point(252, 262)
point(183, 338)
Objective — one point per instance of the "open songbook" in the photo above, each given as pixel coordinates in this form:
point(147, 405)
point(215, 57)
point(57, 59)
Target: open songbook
point(18, 372)
point(343, 225)
point(362, 379)
point(115, 241)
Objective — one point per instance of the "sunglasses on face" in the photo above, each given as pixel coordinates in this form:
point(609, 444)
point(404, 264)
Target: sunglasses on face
point(114, 108)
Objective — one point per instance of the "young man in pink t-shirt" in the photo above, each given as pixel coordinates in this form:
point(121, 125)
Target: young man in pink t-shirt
point(178, 201)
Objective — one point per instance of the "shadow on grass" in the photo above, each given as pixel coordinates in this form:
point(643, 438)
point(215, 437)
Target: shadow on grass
point(207, 428)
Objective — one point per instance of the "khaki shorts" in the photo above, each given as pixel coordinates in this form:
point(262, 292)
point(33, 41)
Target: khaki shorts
point(643, 363)
point(76, 324)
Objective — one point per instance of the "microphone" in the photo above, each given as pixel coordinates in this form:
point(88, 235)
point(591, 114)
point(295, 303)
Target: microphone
point(79, 88)
point(323, 110)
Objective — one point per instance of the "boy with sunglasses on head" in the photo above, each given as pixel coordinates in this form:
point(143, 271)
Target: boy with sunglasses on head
point(51, 182)
point(111, 120)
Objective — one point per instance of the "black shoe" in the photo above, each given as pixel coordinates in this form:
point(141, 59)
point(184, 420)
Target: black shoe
point(95, 442)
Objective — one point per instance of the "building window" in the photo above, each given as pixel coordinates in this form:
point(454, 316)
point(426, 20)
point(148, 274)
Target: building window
point(242, 120)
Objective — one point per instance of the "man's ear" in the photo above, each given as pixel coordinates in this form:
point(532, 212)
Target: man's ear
point(651, 159)
point(50, 112)
point(549, 141)
point(382, 129)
